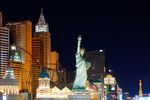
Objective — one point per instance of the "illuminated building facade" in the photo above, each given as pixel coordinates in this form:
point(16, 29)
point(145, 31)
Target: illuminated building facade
point(17, 66)
point(43, 89)
point(1, 19)
point(126, 96)
point(41, 52)
point(42, 30)
point(54, 63)
point(4, 47)
point(41, 47)
point(110, 87)
point(21, 36)
point(143, 98)
point(95, 89)
point(45, 92)
point(37, 60)
point(9, 84)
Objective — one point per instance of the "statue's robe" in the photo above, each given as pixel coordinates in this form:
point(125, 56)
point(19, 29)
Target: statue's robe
point(81, 71)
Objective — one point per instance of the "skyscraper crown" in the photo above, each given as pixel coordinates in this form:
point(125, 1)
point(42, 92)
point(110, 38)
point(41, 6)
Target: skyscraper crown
point(41, 18)
point(41, 26)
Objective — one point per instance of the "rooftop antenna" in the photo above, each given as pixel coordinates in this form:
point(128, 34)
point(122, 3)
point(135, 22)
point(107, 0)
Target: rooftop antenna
point(41, 10)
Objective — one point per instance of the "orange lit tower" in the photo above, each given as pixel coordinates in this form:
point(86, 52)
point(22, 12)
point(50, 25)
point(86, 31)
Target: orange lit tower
point(21, 36)
point(4, 48)
point(54, 63)
point(140, 88)
point(37, 60)
point(42, 57)
point(42, 31)
point(41, 47)
point(17, 66)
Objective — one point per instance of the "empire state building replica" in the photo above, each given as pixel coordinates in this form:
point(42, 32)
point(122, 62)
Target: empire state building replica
point(41, 48)
point(42, 30)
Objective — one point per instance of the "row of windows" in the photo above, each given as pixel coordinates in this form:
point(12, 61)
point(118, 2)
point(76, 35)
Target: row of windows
point(4, 46)
point(4, 62)
point(6, 52)
point(5, 35)
point(4, 43)
point(4, 29)
point(3, 32)
point(3, 55)
point(4, 38)
point(3, 58)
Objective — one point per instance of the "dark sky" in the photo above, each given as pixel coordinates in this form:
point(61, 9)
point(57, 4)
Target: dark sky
point(121, 27)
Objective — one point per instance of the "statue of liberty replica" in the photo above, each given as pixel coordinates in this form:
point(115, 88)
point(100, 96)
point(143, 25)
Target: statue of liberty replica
point(81, 67)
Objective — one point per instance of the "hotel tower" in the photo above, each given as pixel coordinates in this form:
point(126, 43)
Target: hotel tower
point(42, 57)
point(21, 39)
point(41, 47)
point(4, 48)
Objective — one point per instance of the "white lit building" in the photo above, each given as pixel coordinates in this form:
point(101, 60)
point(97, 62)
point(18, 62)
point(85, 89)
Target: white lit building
point(142, 97)
point(44, 92)
point(4, 47)
point(9, 86)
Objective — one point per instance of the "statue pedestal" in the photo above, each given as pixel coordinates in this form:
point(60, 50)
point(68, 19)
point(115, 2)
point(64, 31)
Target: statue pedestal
point(80, 95)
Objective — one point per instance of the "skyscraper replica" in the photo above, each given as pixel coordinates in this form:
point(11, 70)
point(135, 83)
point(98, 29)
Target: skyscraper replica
point(37, 59)
point(42, 30)
point(4, 47)
point(41, 48)
point(141, 95)
point(140, 88)
point(1, 19)
point(17, 65)
point(54, 64)
point(42, 57)
point(21, 37)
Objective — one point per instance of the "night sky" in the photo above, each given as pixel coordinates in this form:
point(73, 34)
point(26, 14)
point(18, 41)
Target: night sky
point(120, 27)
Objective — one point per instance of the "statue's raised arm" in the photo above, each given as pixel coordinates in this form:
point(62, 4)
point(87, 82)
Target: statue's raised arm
point(79, 44)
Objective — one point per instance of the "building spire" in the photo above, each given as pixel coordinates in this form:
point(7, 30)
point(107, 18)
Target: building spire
point(42, 11)
point(41, 18)
point(140, 88)
point(41, 26)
